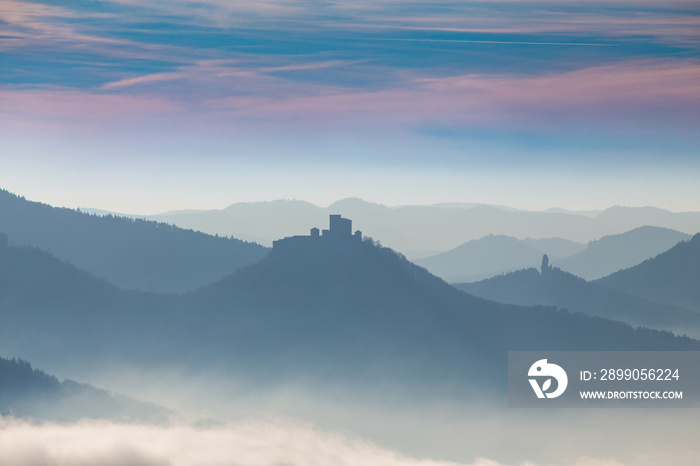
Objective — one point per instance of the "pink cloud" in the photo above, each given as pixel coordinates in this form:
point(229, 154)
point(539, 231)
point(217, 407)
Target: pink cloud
point(149, 78)
point(41, 21)
point(59, 103)
point(611, 92)
point(656, 94)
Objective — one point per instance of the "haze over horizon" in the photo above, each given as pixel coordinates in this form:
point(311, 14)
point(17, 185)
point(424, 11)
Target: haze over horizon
point(213, 204)
point(145, 107)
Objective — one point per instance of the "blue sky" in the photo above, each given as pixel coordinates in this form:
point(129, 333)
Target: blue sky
point(145, 106)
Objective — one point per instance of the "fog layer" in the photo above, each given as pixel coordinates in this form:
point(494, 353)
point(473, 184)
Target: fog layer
point(250, 443)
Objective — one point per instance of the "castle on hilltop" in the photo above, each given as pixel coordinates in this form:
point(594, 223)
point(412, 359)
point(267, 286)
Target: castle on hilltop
point(340, 231)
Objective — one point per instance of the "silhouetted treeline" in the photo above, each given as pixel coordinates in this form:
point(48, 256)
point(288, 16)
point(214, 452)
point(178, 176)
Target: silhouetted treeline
point(347, 312)
point(494, 254)
point(29, 392)
point(19, 380)
point(48, 303)
point(671, 277)
point(554, 287)
point(132, 254)
point(615, 252)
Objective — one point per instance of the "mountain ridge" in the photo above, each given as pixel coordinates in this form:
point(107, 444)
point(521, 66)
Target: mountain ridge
point(671, 276)
point(552, 286)
point(27, 392)
point(494, 254)
point(332, 309)
point(616, 252)
point(131, 253)
point(420, 231)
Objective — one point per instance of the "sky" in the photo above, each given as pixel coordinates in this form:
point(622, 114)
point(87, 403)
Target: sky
point(152, 105)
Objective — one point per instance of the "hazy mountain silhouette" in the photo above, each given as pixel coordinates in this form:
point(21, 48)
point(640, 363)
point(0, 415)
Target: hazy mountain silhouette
point(553, 287)
point(327, 308)
point(671, 277)
point(421, 231)
point(494, 254)
point(348, 308)
point(29, 392)
point(628, 218)
point(615, 252)
point(51, 311)
point(555, 247)
point(252, 221)
point(130, 253)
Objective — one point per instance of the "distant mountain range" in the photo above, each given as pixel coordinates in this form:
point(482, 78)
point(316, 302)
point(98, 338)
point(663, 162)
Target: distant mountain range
point(495, 254)
point(422, 231)
point(131, 253)
point(615, 252)
point(29, 392)
point(671, 277)
point(329, 307)
point(554, 287)
point(315, 309)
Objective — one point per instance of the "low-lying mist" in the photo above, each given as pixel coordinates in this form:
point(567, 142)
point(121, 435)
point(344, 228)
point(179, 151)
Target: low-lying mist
point(220, 420)
point(251, 443)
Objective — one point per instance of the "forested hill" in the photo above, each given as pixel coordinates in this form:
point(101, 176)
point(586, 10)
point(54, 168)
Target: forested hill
point(554, 287)
point(346, 312)
point(349, 310)
point(132, 254)
point(671, 277)
point(616, 252)
point(51, 311)
point(29, 392)
point(494, 254)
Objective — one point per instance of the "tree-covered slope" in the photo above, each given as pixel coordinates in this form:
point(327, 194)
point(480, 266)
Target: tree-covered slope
point(615, 252)
point(494, 254)
point(671, 277)
point(358, 308)
point(554, 287)
point(348, 312)
point(132, 254)
point(51, 311)
point(29, 392)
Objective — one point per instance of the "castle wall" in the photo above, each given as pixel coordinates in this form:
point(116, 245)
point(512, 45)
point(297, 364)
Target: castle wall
point(340, 231)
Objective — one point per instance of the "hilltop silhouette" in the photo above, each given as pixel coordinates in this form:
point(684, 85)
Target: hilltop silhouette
point(32, 393)
point(616, 252)
point(671, 277)
point(54, 313)
point(328, 307)
point(494, 254)
point(346, 307)
point(552, 286)
point(131, 253)
point(422, 231)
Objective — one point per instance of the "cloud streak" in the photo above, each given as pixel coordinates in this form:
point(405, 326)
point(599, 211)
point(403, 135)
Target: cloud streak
point(147, 79)
point(36, 22)
point(629, 92)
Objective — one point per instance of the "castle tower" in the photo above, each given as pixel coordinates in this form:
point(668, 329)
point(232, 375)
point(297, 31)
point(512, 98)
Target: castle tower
point(340, 227)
